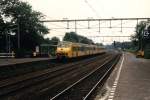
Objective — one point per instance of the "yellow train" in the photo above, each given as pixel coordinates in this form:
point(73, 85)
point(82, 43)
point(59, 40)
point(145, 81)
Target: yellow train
point(71, 50)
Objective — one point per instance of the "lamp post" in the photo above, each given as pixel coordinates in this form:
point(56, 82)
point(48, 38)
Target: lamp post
point(18, 34)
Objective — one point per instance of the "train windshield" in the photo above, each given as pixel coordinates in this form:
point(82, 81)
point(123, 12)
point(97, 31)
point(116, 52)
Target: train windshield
point(64, 45)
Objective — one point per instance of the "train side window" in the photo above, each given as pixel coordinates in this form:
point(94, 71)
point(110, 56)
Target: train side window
point(87, 48)
point(82, 48)
point(75, 48)
point(79, 48)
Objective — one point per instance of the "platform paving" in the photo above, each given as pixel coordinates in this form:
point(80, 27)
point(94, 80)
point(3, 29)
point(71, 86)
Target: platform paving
point(11, 61)
point(134, 79)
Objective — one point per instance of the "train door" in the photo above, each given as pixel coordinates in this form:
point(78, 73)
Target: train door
point(76, 51)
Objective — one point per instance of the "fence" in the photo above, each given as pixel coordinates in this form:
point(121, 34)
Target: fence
point(7, 55)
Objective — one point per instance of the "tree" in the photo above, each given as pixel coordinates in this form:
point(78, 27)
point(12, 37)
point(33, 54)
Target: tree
point(99, 44)
point(137, 38)
point(55, 40)
point(21, 15)
point(3, 35)
point(85, 40)
point(73, 37)
point(2, 24)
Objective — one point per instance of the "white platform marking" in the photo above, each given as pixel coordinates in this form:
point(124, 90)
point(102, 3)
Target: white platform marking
point(112, 92)
point(114, 86)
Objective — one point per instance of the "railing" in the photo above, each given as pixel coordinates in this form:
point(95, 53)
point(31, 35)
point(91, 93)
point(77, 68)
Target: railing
point(7, 55)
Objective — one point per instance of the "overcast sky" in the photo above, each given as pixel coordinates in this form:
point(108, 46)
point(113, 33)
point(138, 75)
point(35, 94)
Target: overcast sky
point(76, 9)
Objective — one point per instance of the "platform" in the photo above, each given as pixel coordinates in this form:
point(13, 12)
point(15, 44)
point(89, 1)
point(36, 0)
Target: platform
point(11, 61)
point(132, 79)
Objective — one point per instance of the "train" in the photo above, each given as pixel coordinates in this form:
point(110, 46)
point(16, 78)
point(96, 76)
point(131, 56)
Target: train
point(67, 49)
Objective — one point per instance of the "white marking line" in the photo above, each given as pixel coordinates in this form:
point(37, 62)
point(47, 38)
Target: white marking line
point(115, 82)
point(118, 75)
point(114, 86)
point(112, 92)
point(113, 89)
point(111, 97)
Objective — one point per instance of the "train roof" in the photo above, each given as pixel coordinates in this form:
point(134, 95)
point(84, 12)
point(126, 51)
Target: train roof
point(79, 44)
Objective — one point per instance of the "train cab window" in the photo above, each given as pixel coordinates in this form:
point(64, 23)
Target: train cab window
point(63, 45)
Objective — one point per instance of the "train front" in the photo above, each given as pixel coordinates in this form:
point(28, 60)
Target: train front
point(63, 51)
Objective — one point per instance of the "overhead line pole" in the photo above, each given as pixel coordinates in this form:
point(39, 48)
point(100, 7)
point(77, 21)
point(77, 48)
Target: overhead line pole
point(99, 26)
point(76, 26)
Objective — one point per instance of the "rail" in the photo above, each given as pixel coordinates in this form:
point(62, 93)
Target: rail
point(111, 62)
point(37, 77)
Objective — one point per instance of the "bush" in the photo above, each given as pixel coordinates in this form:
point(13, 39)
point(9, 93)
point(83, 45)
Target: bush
point(147, 51)
point(21, 53)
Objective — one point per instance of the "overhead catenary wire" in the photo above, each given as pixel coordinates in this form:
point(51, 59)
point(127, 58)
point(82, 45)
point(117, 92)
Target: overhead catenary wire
point(90, 6)
point(82, 28)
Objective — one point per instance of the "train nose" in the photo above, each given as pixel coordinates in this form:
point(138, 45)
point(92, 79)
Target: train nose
point(62, 50)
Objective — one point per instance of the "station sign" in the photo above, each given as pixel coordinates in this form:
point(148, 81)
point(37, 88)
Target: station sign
point(146, 33)
point(37, 49)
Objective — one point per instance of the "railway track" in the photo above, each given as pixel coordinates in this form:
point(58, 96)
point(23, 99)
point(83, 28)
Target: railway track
point(83, 88)
point(17, 85)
